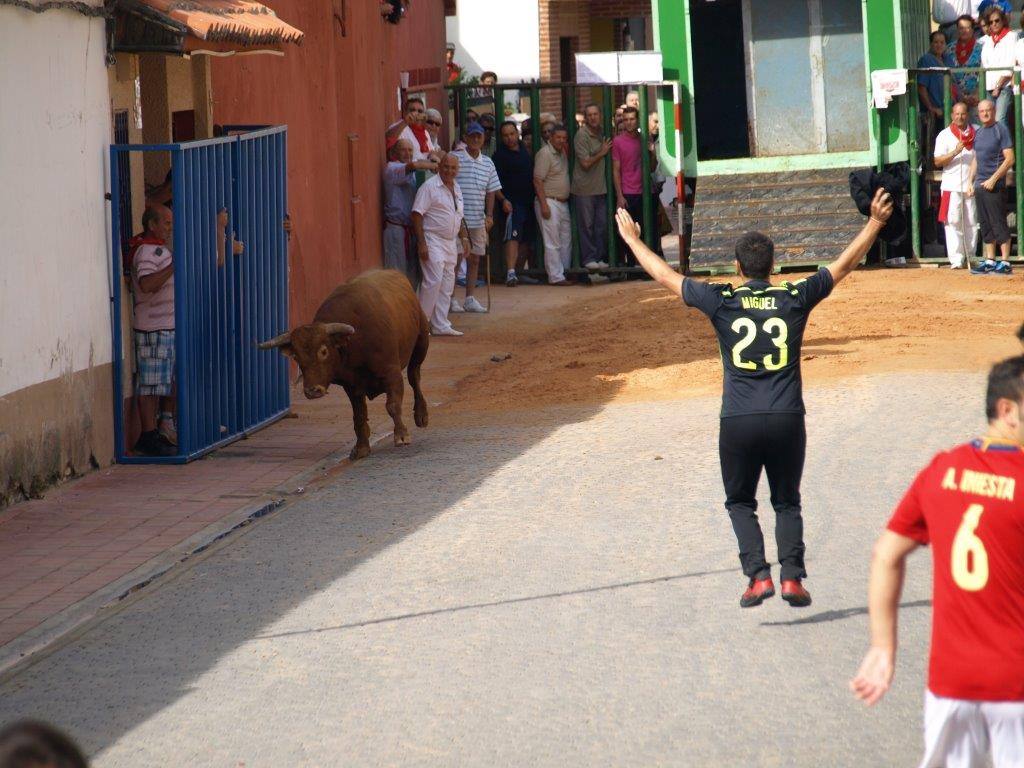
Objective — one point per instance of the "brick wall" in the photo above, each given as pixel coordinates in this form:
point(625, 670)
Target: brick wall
point(571, 18)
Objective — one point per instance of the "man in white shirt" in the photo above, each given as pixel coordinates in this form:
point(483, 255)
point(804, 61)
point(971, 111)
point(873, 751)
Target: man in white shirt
point(413, 128)
point(999, 49)
point(954, 152)
point(437, 217)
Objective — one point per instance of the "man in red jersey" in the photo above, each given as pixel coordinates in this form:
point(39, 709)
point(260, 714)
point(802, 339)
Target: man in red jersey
point(965, 504)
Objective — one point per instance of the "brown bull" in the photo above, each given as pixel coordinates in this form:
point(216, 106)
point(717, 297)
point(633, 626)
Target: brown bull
point(363, 335)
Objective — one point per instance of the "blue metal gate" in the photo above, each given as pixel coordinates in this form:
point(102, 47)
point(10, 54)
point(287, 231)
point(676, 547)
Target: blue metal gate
point(223, 305)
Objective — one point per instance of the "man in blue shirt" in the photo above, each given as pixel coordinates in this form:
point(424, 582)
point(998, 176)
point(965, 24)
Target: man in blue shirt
point(993, 157)
point(399, 193)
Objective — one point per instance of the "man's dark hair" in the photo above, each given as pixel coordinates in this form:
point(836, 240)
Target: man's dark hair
point(488, 73)
point(508, 122)
point(631, 111)
point(593, 104)
point(1005, 380)
point(414, 100)
point(937, 32)
point(756, 254)
point(966, 17)
point(29, 744)
point(556, 127)
point(995, 10)
point(149, 216)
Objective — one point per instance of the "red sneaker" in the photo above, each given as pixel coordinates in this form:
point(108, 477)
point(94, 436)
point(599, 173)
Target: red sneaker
point(793, 592)
point(757, 592)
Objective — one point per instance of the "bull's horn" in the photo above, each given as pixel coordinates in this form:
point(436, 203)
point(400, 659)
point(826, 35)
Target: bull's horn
point(339, 328)
point(277, 341)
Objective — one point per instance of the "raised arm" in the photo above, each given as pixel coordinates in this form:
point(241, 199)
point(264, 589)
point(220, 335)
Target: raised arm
point(653, 264)
point(881, 210)
point(885, 585)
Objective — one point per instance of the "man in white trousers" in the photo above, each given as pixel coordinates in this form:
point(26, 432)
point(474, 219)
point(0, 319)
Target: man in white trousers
point(551, 183)
point(437, 218)
point(954, 152)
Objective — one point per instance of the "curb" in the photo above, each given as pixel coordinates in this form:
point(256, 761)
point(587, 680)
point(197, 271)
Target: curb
point(27, 648)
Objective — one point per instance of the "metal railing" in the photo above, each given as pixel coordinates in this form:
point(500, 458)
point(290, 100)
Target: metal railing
point(225, 389)
point(914, 151)
point(649, 225)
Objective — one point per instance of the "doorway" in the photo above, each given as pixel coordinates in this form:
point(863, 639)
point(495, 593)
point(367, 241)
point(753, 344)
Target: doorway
point(719, 78)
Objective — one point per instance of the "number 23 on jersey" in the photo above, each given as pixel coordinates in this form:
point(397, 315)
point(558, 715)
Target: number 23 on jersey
point(775, 328)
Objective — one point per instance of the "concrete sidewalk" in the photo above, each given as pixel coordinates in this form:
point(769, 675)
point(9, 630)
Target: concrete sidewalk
point(90, 542)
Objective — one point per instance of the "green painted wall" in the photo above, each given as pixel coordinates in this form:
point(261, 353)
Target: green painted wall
point(671, 36)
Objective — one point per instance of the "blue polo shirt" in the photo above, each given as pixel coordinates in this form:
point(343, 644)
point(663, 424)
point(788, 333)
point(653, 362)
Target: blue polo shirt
point(988, 149)
point(932, 81)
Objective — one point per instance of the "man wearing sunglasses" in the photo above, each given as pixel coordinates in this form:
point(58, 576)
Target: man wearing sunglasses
point(413, 129)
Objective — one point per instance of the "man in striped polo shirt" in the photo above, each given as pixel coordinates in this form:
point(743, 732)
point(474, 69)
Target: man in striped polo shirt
point(480, 186)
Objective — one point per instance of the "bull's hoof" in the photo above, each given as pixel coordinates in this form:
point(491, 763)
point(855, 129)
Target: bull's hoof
point(420, 416)
point(402, 438)
point(359, 452)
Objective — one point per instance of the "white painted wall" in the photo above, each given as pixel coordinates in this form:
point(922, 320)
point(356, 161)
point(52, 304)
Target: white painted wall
point(501, 37)
point(54, 132)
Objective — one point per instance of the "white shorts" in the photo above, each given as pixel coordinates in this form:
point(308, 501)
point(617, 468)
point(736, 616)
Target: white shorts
point(478, 240)
point(961, 734)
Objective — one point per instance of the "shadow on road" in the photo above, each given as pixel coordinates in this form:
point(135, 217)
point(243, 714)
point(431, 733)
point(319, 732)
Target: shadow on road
point(842, 613)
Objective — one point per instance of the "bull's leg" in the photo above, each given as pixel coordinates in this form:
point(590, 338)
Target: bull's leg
point(419, 354)
point(396, 391)
point(361, 423)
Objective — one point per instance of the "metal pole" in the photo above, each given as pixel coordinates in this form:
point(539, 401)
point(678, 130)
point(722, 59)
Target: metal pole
point(915, 172)
point(1018, 170)
point(609, 126)
point(538, 239)
point(947, 98)
point(677, 115)
point(570, 102)
point(463, 117)
point(650, 236)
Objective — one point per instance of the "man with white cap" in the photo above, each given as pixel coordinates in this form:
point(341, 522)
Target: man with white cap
point(437, 217)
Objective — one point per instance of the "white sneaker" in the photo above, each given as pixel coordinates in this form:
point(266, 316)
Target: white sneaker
point(472, 305)
point(593, 266)
point(456, 307)
point(449, 331)
point(602, 264)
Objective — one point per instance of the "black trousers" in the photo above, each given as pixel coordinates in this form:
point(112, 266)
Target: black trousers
point(777, 443)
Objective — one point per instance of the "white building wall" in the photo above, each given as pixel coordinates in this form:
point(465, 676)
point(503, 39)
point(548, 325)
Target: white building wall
point(503, 38)
point(54, 132)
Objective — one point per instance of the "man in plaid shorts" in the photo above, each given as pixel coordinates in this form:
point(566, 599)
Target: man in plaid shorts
point(153, 288)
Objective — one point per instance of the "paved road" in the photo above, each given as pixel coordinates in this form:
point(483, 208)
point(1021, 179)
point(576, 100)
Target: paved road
point(543, 591)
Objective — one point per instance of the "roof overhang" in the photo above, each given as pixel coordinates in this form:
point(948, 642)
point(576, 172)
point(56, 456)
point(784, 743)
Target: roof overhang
point(188, 27)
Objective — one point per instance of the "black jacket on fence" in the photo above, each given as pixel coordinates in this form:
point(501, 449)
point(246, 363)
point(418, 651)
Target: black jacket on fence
point(895, 179)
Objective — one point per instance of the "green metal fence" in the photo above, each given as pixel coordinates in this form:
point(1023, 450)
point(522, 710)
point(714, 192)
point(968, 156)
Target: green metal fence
point(667, 90)
point(909, 104)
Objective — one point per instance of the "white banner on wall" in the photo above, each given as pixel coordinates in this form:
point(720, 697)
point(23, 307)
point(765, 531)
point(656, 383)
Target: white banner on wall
point(619, 67)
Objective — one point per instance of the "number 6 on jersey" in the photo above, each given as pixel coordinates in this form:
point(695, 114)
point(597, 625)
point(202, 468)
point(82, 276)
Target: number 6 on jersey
point(968, 559)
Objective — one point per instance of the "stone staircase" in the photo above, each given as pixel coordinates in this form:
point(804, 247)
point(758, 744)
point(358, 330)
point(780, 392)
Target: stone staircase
point(808, 214)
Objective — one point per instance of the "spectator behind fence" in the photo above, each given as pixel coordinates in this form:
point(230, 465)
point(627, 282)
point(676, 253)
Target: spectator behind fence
point(487, 123)
point(433, 125)
point(30, 744)
point(399, 194)
point(947, 14)
point(488, 78)
point(627, 171)
point(632, 100)
point(453, 70)
point(589, 189)
point(999, 49)
point(515, 172)
point(993, 157)
point(153, 291)
point(930, 89)
point(965, 51)
point(954, 153)
point(479, 183)
point(413, 129)
point(437, 217)
point(551, 184)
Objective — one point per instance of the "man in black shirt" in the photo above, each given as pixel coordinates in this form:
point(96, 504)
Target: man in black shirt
point(760, 328)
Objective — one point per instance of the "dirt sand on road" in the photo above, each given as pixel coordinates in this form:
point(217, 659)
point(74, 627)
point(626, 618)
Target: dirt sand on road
point(633, 341)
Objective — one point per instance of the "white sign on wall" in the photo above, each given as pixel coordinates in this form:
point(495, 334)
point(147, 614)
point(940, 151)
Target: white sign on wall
point(619, 67)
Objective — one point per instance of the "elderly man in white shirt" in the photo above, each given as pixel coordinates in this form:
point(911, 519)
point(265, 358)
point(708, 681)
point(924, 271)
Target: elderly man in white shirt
point(954, 153)
point(999, 49)
point(437, 217)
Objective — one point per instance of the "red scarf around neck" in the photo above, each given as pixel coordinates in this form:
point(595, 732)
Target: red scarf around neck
point(145, 238)
point(420, 132)
point(1000, 35)
point(964, 51)
point(966, 135)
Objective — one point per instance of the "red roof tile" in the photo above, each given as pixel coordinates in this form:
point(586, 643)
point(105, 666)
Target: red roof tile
point(241, 22)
